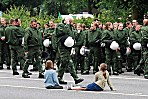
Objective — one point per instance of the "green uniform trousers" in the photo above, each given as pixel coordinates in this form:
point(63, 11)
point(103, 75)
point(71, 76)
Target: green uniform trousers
point(33, 53)
point(17, 54)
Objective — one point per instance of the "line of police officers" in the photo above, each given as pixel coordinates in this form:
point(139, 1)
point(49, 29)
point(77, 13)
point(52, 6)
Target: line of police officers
point(90, 47)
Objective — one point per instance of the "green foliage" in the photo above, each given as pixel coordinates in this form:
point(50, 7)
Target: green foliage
point(18, 12)
point(86, 21)
point(24, 15)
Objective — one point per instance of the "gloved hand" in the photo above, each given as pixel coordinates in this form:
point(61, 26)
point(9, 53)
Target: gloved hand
point(102, 44)
point(97, 41)
point(73, 52)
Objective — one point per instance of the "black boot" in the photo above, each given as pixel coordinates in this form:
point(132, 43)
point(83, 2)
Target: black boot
point(1, 67)
point(78, 80)
point(41, 75)
point(85, 72)
point(25, 75)
point(115, 73)
point(15, 73)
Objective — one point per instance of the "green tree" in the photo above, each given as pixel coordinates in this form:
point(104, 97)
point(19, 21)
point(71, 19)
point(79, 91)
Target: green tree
point(136, 8)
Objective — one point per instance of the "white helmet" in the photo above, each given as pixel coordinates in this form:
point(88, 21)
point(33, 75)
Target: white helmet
point(147, 45)
point(114, 45)
point(137, 46)
point(46, 42)
point(128, 51)
point(69, 42)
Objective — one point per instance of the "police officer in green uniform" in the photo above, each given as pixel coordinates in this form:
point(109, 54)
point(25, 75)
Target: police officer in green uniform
point(128, 27)
point(134, 38)
point(121, 37)
point(55, 48)
point(2, 40)
point(41, 30)
point(62, 32)
point(132, 29)
point(4, 47)
point(48, 35)
point(107, 38)
point(15, 39)
point(144, 41)
point(94, 39)
point(100, 28)
point(87, 58)
point(32, 47)
point(79, 40)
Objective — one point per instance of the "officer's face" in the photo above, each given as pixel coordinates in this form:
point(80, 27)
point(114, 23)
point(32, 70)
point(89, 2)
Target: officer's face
point(93, 27)
point(51, 23)
point(135, 23)
point(18, 23)
point(130, 25)
point(79, 28)
point(3, 21)
point(100, 26)
point(34, 24)
point(120, 27)
point(115, 25)
point(111, 26)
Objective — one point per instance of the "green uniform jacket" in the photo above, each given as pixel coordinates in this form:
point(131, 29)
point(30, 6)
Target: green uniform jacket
point(13, 35)
point(127, 30)
point(79, 38)
point(2, 30)
point(121, 37)
point(144, 34)
point(93, 36)
point(107, 37)
point(32, 38)
point(135, 37)
point(54, 41)
point(48, 32)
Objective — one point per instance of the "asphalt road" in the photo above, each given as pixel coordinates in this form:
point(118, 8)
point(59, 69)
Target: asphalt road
point(127, 85)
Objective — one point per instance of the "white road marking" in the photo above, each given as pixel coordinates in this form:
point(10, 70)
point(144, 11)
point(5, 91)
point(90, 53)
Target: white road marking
point(16, 77)
point(124, 94)
point(21, 87)
point(21, 78)
point(129, 78)
point(111, 93)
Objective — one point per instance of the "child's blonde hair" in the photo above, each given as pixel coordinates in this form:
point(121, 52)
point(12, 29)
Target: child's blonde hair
point(49, 65)
point(103, 66)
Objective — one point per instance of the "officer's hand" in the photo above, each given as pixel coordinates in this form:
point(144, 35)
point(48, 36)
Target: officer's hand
point(26, 53)
point(102, 44)
point(3, 38)
point(118, 49)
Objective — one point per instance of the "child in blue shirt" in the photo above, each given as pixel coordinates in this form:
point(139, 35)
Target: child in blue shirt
point(51, 80)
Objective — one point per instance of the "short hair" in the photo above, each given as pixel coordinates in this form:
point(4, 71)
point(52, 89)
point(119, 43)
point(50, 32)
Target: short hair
point(11, 21)
point(79, 24)
point(108, 24)
point(38, 23)
point(52, 20)
point(96, 19)
point(33, 21)
point(17, 19)
point(4, 19)
point(95, 24)
point(128, 23)
point(46, 24)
